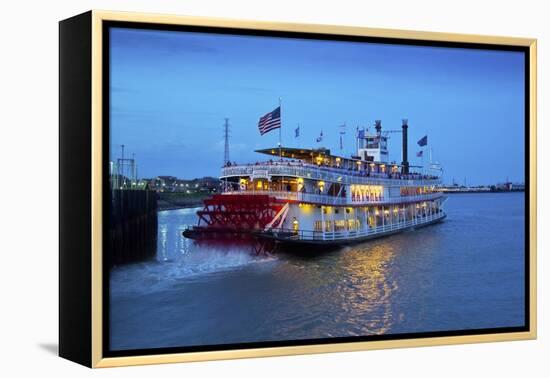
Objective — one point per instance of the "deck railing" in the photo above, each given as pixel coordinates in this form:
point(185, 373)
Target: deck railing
point(325, 173)
point(354, 234)
point(324, 199)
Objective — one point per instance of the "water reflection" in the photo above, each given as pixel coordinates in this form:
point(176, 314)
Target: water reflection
point(162, 241)
point(342, 293)
point(368, 288)
point(171, 243)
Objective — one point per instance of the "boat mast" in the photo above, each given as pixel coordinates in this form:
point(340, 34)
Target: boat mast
point(280, 148)
point(226, 138)
point(226, 149)
point(280, 127)
point(357, 140)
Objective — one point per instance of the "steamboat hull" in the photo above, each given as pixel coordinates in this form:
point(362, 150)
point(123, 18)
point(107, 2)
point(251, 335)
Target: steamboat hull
point(288, 242)
point(295, 241)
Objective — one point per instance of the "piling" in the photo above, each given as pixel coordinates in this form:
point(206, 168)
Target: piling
point(133, 225)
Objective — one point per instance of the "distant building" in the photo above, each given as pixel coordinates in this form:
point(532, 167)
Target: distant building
point(509, 187)
point(517, 187)
point(171, 184)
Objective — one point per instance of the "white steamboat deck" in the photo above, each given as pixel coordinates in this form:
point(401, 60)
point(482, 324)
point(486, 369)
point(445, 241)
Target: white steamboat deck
point(324, 199)
point(354, 235)
point(329, 174)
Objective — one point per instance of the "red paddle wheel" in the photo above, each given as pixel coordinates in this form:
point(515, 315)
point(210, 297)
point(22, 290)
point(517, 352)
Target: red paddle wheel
point(239, 212)
point(234, 217)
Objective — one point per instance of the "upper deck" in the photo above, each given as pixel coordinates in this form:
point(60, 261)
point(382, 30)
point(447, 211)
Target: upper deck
point(368, 174)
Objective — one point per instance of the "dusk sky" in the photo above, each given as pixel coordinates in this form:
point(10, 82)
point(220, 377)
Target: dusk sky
point(170, 93)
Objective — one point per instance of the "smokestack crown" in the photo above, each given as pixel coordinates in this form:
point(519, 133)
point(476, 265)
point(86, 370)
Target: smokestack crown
point(378, 126)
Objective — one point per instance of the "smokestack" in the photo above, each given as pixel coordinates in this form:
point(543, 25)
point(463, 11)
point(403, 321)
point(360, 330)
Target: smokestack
point(378, 126)
point(405, 163)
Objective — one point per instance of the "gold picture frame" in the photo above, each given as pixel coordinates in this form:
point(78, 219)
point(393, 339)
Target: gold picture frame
point(92, 354)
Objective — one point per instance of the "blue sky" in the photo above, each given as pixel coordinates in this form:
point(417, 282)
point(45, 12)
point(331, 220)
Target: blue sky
point(170, 93)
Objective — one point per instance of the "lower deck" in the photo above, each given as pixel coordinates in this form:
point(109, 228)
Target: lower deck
point(317, 222)
point(301, 237)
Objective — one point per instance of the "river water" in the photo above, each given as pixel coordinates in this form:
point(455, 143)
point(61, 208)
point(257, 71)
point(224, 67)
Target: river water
point(464, 273)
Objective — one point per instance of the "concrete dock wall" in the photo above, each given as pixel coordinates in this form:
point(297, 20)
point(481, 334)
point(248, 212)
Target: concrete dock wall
point(133, 226)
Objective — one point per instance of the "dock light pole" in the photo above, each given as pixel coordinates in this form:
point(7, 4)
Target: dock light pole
point(121, 165)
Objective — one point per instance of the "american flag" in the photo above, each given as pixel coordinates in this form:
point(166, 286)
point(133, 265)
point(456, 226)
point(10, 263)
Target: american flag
point(270, 121)
point(420, 153)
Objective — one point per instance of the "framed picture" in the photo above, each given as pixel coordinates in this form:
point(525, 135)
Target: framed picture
point(235, 189)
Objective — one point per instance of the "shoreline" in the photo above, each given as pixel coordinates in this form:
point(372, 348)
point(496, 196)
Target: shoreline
point(190, 206)
point(480, 191)
point(179, 200)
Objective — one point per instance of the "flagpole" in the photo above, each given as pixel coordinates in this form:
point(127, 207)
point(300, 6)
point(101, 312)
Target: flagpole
point(423, 167)
point(357, 140)
point(280, 128)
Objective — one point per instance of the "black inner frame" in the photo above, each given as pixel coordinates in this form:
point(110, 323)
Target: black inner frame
point(107, 25)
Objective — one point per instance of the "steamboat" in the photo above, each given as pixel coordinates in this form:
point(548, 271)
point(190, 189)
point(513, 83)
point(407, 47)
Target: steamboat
point(298, 198)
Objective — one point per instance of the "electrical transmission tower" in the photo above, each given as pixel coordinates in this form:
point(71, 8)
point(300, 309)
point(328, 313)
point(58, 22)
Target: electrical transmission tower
point(226, 137)
point(124, 171)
